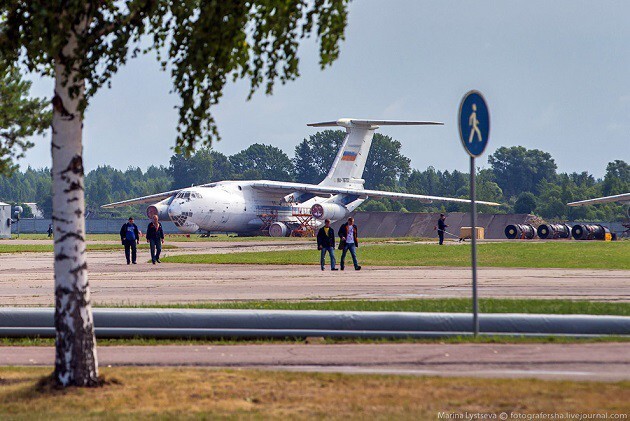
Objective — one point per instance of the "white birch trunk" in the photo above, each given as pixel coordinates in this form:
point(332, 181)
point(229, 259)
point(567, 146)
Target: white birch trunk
point(75, 358)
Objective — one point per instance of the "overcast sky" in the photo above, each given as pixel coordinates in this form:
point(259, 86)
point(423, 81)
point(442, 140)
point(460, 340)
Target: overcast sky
point(556, 76)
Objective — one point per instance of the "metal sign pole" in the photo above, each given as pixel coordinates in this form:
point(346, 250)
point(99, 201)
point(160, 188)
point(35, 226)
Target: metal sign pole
point(474, 130)
point(473, 223)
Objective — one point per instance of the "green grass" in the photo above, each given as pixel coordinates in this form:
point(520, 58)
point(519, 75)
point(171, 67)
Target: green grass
point(214, 237)
point(448, 305)
point(169, 237)
point(561, 254)
point(44, 237)
point(48, 248)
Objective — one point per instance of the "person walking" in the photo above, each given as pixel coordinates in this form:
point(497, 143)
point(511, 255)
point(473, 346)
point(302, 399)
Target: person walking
point(130, 236)
point(155, 238)
point(326, 243)
point(441, 227)
point(50, 230)
point(349, 238)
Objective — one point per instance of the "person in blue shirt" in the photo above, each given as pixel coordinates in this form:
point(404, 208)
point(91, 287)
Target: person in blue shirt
point(130, 237)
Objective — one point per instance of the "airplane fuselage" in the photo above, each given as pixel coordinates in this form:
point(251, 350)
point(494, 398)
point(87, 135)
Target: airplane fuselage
point(236, 206)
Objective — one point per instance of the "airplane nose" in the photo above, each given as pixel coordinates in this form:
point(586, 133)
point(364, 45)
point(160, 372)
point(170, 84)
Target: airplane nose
point(174, 209)
point(180, 214)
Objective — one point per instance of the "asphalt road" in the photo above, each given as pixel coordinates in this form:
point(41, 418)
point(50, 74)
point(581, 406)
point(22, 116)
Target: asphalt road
point(27, 279)
point(583, 362)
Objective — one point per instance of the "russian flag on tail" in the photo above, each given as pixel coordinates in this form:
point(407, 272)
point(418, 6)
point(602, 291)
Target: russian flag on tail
point(349, 156)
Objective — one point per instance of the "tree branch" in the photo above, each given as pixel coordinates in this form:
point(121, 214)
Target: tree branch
point(128, 20)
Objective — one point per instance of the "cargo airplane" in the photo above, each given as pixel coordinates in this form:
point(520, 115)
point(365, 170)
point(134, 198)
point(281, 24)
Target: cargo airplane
point(244, 206)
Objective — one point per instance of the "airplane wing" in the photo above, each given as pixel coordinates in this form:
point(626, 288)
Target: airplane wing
point(625, 197)
point(149, 199)
point(286, 187)
point(144, 199)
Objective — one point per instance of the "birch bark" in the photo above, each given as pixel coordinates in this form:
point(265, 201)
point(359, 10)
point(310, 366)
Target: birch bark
point(75, 358)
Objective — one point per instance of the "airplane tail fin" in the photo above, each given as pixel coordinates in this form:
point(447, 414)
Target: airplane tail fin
point(347, 168)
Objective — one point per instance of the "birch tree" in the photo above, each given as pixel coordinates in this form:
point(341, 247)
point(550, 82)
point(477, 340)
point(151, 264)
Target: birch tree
point(203, 44)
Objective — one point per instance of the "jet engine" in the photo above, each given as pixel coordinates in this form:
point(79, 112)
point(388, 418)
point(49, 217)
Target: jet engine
point(279, 229)
point(328, 211)
point(160, 209)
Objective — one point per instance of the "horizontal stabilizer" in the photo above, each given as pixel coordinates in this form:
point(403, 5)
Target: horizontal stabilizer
point(355, 122)
point(323, 124)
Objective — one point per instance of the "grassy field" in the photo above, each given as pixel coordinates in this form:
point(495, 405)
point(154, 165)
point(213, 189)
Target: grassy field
point(114, 237)
point(215, 237)
point(48, 248)
point(561, 254)
point(167, 393)
point(449, 305)
point(169, 237)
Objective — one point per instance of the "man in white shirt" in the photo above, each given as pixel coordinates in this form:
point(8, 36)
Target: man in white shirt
point(348, 234)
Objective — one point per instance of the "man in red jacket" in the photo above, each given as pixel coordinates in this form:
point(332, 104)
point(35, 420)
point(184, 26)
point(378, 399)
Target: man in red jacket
point(349, 236)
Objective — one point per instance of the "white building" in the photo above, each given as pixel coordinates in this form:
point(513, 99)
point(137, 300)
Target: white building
point(37, 212)
point(5, 220)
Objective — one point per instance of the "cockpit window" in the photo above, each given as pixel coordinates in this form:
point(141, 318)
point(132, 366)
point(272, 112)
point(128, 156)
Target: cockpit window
point(188, 195)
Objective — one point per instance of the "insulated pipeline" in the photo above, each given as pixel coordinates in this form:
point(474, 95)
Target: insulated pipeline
point(124, 323)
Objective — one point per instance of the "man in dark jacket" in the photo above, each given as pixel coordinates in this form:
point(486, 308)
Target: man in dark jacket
point(326, 243)
point(349, 236)
point(130, 236)
point(155, 238)
point(441, 227)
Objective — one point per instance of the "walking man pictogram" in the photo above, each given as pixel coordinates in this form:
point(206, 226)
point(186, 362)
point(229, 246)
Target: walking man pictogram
point(472, 121)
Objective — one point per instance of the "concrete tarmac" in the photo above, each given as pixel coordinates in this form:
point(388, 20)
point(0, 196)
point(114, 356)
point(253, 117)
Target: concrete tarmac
point(582, 362)
point(27, 279)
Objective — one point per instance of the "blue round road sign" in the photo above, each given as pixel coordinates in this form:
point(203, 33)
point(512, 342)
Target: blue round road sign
point(474, 123)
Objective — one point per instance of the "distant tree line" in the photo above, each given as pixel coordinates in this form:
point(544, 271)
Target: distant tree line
point(522, 180)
